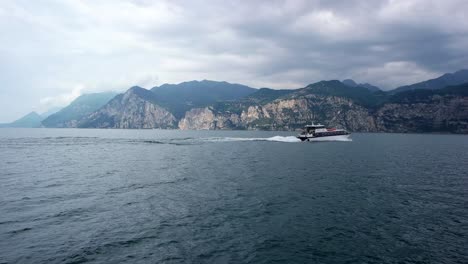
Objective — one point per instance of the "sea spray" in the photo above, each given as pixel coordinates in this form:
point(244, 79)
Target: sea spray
point(287, 139)
point(283, 139)
point(234, 139)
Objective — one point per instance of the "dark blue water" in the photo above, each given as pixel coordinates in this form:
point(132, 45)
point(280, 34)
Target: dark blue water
point(152, 196)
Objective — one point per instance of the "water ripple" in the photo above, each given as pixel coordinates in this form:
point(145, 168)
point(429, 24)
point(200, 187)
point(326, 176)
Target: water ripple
point(132, 196)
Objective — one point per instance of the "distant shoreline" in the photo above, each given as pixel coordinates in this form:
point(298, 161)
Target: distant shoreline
point(259, 130)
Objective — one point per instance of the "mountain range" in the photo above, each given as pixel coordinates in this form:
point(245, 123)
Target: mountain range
point(179, 98)
point(79, 108)
point(436, 105)
point(445, 80)
point(368, 86)
point(32, 120)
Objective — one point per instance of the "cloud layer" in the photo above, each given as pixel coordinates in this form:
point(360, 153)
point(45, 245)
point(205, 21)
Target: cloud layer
point(51, 51)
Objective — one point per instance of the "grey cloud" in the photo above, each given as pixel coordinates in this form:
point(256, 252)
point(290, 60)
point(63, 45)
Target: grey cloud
point(51, 49)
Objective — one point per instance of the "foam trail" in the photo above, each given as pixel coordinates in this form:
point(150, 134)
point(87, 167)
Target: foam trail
point(289, 139)
point(284, 139)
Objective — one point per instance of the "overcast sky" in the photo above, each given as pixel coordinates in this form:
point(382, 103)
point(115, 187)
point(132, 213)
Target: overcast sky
point(53, 51)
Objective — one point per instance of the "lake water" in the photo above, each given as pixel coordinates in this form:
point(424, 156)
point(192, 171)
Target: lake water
point(161, 196)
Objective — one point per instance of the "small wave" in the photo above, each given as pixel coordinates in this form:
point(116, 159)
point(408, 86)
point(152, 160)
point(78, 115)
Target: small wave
point(137, 186)
point(159, 142)
point(153, 142)
point(13, 232)
point(64, 137)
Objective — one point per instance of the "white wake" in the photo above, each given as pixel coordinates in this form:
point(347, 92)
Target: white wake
point(231, 139)
point(288, 139)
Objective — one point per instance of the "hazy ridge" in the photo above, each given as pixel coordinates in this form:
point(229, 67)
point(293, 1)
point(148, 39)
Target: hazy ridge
point(430, 106)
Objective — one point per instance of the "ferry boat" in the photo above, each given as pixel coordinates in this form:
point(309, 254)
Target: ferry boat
point(316, 131)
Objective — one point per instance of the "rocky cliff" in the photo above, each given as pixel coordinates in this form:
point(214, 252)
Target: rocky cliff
point(329, 102)
point(284, 114)
point(136, 108)
point(208, 119)
point(445, 110)
point(439, 113)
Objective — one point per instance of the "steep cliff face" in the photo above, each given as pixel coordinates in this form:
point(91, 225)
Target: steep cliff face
point(134, 109)
point(333, 111)
point(437, 114)
point(287, 114)
point(198, 118)
point(444, 110)
point(208, 119)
